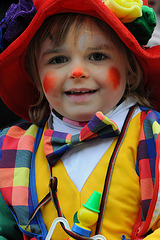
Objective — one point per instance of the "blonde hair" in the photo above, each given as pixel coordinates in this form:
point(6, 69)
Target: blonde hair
point(57, 27)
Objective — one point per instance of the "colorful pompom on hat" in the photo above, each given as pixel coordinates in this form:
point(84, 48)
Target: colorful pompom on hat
point(132, 20)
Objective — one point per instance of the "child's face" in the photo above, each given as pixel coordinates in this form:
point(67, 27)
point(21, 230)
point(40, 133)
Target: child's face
point(155, 4)
point(82, 78)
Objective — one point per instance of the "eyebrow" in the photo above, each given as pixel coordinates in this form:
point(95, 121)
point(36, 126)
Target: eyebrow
point(99, 47)
point(54, 50)
point(64, 49)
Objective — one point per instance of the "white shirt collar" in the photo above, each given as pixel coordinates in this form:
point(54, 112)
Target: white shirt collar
point(117, 115)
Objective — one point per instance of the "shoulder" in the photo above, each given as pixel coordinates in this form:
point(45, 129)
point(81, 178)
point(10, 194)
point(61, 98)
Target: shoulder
point(12, 135)
point(18, 129)
point(16, 146)
point(149, 114)
point(150, 130)
point(14, 128)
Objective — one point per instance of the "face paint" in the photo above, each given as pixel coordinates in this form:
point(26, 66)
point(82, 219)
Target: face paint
point(49, 82)
point(77, 72)
point(114, 77)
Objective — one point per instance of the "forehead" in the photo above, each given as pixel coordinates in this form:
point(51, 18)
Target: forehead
point(88, 38)
point(89, 32)
point(84, 32)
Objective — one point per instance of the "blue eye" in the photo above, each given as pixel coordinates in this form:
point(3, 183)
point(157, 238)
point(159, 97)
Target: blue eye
point(58, 60)
point(97, 56)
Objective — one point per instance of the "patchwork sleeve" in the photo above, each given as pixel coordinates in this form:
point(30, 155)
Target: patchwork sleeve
point(148, 169)
point(8, 226)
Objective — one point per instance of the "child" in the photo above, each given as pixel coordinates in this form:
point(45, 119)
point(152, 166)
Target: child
point(155, 40)
point(80, 67)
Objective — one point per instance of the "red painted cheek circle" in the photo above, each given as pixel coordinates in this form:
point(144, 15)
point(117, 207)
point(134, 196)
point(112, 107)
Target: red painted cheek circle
point(114, 77)
point(49, 82)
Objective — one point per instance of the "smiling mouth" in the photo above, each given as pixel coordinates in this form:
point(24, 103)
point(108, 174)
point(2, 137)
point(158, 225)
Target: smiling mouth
point(79, 92)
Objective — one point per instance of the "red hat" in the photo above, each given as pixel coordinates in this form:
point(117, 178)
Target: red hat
point(17, 90)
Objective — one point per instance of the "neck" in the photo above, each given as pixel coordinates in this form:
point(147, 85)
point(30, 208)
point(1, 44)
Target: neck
point(67, 120)
point(77, 123)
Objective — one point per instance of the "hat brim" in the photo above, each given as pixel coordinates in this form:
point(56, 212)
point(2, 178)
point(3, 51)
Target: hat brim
point(17, 90)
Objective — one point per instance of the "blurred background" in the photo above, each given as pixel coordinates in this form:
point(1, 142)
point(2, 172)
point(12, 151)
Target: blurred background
point(155, 40)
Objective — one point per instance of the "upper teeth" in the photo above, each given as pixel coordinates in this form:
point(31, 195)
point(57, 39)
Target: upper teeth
point(72, 92)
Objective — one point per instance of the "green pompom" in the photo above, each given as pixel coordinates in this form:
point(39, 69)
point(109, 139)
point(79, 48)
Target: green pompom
point(143, 27)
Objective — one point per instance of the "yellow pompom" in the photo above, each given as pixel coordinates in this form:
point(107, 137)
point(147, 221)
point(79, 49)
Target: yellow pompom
point(125, 10)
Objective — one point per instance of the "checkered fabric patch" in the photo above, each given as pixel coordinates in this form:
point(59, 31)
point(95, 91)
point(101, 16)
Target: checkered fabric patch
point(16, 146)
point(148, 165)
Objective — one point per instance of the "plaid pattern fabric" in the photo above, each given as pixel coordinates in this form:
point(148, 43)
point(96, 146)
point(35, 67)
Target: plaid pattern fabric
point(148, 169)
point(16, 146)
point(57, 143)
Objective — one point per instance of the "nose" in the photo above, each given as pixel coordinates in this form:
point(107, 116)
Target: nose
point(78, 72)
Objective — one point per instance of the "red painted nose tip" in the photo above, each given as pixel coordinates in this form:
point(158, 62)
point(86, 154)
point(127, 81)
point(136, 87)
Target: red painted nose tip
point(77, 73)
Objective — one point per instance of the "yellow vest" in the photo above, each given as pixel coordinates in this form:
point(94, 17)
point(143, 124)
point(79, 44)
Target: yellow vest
point(124, 198)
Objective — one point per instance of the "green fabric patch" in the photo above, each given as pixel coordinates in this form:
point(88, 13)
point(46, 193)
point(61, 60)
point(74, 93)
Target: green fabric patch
point(8, 226)
point(143, 27)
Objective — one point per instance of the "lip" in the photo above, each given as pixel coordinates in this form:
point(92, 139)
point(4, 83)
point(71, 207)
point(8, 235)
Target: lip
point(79, 89)
point(80, 95)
